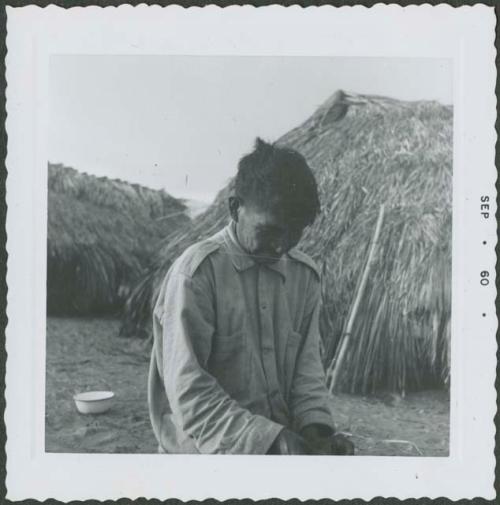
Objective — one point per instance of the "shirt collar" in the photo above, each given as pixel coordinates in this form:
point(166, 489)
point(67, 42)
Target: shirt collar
point(241, 259)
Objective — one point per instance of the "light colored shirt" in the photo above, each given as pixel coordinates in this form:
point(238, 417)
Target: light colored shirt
point(236, 353)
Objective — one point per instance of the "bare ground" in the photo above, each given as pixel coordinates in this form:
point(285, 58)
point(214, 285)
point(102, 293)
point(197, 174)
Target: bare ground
point(87, 354)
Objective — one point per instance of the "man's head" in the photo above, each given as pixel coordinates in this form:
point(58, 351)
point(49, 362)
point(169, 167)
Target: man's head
point(276, 197)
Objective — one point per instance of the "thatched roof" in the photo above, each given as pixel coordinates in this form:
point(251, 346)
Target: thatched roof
point(367, 150)
point(101, 235)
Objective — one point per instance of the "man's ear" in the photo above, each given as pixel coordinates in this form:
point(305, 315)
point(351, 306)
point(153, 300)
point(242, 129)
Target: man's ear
point(234, 205)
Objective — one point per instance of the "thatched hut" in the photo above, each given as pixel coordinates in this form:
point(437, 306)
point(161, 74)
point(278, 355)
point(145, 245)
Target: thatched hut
point(101, 235)
point(367, 150)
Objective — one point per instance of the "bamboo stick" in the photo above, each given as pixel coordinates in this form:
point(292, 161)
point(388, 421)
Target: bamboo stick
point(344, 341)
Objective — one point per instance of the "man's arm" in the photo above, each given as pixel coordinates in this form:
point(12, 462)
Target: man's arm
point(309, 396)
point(215, 422)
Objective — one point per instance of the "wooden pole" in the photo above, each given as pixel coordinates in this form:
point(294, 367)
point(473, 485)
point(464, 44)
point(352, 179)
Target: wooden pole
point(344, 340)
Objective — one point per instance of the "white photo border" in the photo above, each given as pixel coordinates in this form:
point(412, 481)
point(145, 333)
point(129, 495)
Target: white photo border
point(465, 34)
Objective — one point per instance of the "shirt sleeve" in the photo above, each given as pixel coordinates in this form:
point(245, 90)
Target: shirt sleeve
point(309, 394)
point(200, 406)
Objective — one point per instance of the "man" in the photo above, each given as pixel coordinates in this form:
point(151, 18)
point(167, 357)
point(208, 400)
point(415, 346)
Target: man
point(235, 367)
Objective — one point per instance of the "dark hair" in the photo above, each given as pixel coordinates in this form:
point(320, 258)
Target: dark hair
point(271, 172)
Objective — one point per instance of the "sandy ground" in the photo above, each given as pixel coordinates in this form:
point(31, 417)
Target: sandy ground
point(87, 354)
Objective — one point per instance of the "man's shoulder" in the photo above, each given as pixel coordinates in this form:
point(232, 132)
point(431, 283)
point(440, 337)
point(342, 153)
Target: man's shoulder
point(305, 260)
point(191, 259)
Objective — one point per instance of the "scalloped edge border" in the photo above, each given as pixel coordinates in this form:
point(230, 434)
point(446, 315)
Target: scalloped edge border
point(78, 4)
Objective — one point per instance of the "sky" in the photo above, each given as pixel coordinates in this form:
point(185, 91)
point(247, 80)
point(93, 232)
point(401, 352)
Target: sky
point(181, 123)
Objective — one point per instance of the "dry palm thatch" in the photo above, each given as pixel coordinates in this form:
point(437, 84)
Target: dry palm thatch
point(367, 150)
point(101, 235)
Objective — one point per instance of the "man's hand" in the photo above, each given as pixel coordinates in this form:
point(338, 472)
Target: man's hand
point(289, 443)
point(323, 440)
point(341, 445)
point(318, 436)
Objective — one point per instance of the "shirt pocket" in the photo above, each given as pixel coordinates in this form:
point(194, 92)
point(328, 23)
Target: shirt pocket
point(291, 356)
point(229, 362)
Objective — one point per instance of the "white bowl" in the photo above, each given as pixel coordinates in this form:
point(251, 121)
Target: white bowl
point(94, 402)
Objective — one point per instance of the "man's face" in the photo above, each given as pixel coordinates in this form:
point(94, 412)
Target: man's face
point(266, 232)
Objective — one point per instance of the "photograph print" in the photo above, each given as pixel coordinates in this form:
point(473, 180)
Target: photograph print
point(249, 255)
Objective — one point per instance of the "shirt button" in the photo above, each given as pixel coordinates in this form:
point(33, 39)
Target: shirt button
point(263, 307)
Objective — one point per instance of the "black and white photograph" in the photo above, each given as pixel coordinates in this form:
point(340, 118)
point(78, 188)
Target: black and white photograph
point(250, 242)
point(249, 255)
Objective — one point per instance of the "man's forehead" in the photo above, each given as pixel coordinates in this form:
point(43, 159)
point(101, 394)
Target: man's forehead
point(272, 211)
point(277, 216)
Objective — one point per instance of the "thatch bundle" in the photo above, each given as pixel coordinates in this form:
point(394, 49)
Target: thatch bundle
point(101, 235)
point(367, 150)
